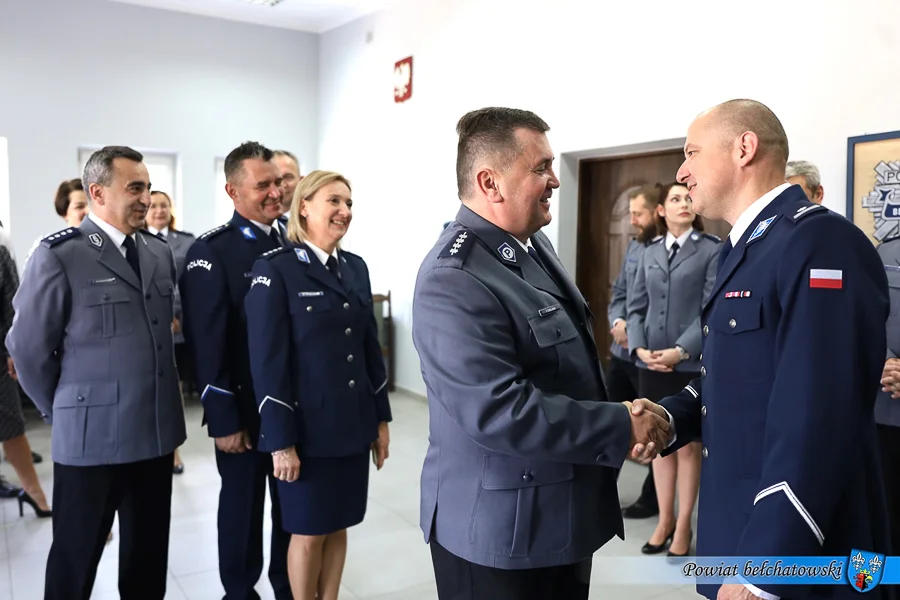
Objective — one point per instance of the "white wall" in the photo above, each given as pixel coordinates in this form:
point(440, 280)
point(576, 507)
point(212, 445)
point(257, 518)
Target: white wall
point(602, 74)
point(93, 72)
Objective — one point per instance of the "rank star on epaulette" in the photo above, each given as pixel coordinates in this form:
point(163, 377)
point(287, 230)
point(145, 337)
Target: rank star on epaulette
point(459, 248)
point(214, 232)
point(60, 236)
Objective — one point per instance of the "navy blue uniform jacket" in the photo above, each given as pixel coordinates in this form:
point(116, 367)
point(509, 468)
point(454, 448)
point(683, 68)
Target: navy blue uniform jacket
point(318, 372)
point(793, 350)
point(215, 280)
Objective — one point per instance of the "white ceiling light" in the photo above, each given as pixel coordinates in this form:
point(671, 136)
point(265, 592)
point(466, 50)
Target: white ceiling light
point(264, 2)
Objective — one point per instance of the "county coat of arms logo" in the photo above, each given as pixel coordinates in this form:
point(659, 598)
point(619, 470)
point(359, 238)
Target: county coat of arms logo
point(864, 570)
point(884, 200)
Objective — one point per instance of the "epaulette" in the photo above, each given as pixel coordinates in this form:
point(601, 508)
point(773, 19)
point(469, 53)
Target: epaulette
point(807, 208)
point(61, 236)
point(273, 252)
point(460, 246)
point(712, 237)
point(656, 240)
point(892, 238)
point(215, 231)
point(148, 234)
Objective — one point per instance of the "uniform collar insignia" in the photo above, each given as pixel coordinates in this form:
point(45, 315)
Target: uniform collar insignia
point(506, 252)
point(761, 228)
point(302, 254)
point(695, 236)
point(96, 239)
point(248, 232)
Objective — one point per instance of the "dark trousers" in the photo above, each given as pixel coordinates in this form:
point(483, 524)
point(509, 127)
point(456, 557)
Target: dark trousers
point(889, 440)
point(459, 579)
point(241, 512)
point(622, 385)
point(85, 501)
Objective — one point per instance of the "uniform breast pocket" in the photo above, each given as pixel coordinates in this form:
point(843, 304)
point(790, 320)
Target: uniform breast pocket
point(302, 305)
point(554, 333)
point(166, 290)
point(893, 277)
point(108, 310)
point(744, 346)
point(517, 500)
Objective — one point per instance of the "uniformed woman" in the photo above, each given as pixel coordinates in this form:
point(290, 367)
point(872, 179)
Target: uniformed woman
point(674, 277)
point(320, 381)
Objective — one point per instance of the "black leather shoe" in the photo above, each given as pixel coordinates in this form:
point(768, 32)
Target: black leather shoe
point(178, 469)
point(672, 557)
point(639, 510)
point(8, 490)
point(649, 548)
point(36, 458)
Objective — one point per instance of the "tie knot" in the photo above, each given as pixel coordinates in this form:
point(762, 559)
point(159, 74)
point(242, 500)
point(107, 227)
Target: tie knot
point(332, 265)
point(129, 243)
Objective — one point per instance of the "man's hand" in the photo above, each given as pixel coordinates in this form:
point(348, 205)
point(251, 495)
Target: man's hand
point(380, 451)
point(664, 360)
point(646, 356)
point(619, 334)
point(890, 378)
point(234, 443)
point(649, 430)
point(286, 464)
point(11, 367)
point(176, 326)
point(735, 591)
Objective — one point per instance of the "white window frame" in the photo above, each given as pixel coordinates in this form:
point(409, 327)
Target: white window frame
point(5, 201)
point(165, 175)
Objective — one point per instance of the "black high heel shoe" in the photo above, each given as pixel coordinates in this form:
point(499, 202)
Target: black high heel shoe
point(649, 548)
point(673, 555)
point(24, 498)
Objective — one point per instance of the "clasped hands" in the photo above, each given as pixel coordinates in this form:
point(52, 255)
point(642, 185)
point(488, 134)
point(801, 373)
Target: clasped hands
point(890, 378)
point(650, 431)
point(659, 360)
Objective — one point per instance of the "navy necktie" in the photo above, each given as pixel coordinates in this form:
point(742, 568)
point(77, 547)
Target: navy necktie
point(332, 265)
point(533, 254)
point(673, 251)
point(131, 255)
point(273, 233)
point(723, 254)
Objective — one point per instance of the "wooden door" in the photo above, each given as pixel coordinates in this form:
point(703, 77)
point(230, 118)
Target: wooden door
point(604, 225)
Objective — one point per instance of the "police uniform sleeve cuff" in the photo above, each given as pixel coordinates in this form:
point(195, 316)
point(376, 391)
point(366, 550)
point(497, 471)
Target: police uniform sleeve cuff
point(756, 591)
point(671, 428)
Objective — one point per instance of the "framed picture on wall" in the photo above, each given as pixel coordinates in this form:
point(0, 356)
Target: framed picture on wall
point(873, 184)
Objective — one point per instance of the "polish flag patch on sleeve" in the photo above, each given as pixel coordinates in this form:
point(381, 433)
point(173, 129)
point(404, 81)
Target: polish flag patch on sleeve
point(830, 279)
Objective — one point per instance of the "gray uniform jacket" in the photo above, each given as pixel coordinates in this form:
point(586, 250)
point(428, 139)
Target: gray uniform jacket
point(666, 300)
point(524, 448)
point(887, 409)
point(179, 242)
point(621, 290)
point(93, 347)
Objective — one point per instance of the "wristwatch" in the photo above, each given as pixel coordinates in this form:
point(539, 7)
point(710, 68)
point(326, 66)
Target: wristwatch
point(684, 353)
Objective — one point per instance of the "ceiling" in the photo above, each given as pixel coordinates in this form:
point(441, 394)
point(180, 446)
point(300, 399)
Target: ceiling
point(315, 16)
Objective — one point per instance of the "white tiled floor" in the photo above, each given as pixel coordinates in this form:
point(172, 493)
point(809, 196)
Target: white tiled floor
point(387, 557)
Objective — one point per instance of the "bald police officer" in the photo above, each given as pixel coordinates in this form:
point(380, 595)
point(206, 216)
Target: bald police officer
point(519, 481)
point(92, 343)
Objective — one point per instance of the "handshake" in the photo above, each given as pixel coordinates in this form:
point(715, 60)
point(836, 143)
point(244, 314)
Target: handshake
point(650, 430)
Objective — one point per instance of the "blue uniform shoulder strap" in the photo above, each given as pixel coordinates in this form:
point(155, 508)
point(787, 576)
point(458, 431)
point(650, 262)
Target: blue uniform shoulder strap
point(712, 237)
point(61, 236)
point(460, 246)
point(148, 234)
point(215, 231)
point(802, 209)
point(270, 253)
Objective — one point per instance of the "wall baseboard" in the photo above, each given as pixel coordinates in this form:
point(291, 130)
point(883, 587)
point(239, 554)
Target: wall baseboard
point(411, 393)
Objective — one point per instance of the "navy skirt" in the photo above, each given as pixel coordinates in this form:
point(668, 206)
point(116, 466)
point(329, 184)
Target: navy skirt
point(329, 495)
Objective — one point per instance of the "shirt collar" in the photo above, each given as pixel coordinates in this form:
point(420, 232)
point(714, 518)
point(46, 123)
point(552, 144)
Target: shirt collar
point(266, 228)
point(681, 239)
point(117, 237)
point(155, 231)
point(526, 245)
point(321, 254)
point(753, 211)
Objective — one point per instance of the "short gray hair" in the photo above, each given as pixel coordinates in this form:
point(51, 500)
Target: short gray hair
point(809, 171)
point(290, 155)
point(99, 167)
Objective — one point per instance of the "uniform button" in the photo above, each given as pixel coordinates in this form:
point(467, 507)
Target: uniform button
point(703, 410)
point(601, 458)
point(309, 309)
point(702, 371)
point(106, 296)
point(81, 398)
point(701, 356)
point(706, 330)
point(296, 403)
point(558, 332)
point(346, 306)
point(705, 452)
point(154, 320)
point(350, 358)
point(348, 331)
point(147, 296)
point(352, 383)
point(159, 346)
point(662, 312)
point(159, 372)
point(663, 296)
point(732, 323)
point(527, 476)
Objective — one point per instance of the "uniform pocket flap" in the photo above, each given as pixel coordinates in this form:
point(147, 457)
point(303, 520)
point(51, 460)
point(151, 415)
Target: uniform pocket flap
point(303, 304)
point(99, 295)
point(737, 315)
point(510, 473)
point(552, 326)
point(165, 288)
point(94, 393)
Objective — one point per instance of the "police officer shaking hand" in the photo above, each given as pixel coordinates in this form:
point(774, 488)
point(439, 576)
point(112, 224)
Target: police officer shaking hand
point(794, 345)
point(519, 481)
point(215, 281)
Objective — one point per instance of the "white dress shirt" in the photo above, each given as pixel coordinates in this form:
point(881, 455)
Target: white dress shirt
point(751, 212)
point(117, 237)
point(164, 231)
point(321, 254)
point(681, 239)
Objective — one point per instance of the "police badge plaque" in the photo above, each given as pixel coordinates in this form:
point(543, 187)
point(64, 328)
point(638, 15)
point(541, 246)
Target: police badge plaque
point(873, 184)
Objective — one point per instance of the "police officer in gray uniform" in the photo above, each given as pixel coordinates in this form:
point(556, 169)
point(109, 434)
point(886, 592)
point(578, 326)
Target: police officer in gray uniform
point(887, 408)
point(92, 343)
point(622, 375)
point(518, 488)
